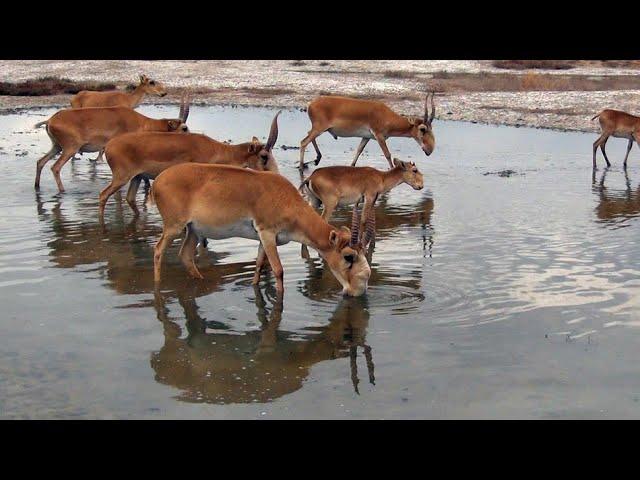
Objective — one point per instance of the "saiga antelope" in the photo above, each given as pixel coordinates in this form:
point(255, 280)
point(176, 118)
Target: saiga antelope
point(338, 185)
point(118, 98)
point(141, 155)
point(220, 201)
point(614, 123)
point(89, 129)
point(368, 119)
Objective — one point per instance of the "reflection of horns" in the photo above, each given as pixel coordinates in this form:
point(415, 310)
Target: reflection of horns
point(369, 358)
point(353, 356)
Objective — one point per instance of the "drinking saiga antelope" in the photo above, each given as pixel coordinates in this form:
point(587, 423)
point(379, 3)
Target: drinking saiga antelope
point(139, 155)
point(220, 201)
point(339, 185)
point(368, 119)
point(89, 129)
point(614, 123)
point(118, 98)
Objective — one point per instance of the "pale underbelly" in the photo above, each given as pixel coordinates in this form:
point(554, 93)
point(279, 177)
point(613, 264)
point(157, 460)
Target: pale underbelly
point(349, 200)
point(627, 135)
point(91, 148)
point(358, 132)
point(242, 229)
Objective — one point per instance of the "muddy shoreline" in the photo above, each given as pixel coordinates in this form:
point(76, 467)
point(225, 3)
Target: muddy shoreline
point(467, 90)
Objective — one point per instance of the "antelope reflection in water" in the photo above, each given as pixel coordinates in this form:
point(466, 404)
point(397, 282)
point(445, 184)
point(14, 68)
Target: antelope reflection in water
point(257, 365)
point(617, 206)
point(124, 253)
point(216, 367)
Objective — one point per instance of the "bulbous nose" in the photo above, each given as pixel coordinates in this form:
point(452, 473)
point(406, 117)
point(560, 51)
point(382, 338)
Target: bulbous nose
point(354, 292)
point(428, 151)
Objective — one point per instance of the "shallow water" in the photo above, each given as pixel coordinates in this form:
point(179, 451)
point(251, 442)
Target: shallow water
point(490, 296)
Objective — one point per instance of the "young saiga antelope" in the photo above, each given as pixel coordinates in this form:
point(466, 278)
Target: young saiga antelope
point(614, 123)
point(333, 186)
point(142, 155)
point(89, 129)
point(118, 98)
point(220, 201)
point(368, 119)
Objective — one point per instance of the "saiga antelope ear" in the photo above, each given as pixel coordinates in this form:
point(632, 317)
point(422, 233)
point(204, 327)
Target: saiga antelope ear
point(333, 238)
point(254, 147)
point(399, 163)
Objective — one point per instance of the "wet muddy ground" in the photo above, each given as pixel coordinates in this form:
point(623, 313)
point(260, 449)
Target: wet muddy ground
point(492, 295)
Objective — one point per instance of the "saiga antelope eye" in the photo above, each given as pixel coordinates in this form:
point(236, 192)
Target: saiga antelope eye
point(349, 258)
point(152, 82)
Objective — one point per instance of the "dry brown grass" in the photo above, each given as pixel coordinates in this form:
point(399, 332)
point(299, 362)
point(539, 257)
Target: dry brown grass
point(399, 74)
point(556, 111)
point(530, 81)
point(563, 64)
point(529, 64)
point(50, 86)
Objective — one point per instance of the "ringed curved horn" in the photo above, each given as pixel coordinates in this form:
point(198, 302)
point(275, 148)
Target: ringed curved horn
point(433, 108)
point(273, 133)
point(355, 226)
point(185, 103)
point(369, 226)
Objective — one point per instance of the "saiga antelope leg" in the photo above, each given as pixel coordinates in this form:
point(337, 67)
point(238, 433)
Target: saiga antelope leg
point(99, 157)
point(596, 144)
point(259, 264)
point(131, 193)
point(318, 154)
point(328, 207)
point(602, 145)
point(115, 185)
point(385, 150)
point(43, 161)
point(363, 143)
point(311, 136)
point(188, 251)
point(64, 158)
point(168, 234)
point(268, 240)
point(628, 150)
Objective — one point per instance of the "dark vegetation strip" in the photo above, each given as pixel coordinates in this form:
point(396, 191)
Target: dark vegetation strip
point(50, 86)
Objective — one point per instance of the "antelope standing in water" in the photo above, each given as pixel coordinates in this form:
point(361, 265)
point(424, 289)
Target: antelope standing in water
point(367, 119)
point(338, 185)
point(139, 155)
point(614, 123)
point(220, 201)
point(118, 98)
point(89, 129)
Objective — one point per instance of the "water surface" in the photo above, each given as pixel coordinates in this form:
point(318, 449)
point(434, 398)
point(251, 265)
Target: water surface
point(490, 297)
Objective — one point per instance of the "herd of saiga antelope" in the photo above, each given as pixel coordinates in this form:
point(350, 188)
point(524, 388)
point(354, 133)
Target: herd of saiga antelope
point(216, 190)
